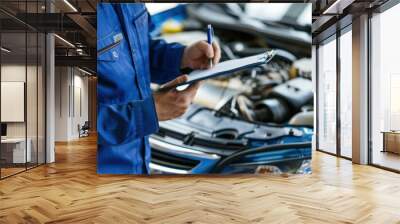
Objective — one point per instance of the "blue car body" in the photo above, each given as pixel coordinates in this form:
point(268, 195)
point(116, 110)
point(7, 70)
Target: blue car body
point(197, 142)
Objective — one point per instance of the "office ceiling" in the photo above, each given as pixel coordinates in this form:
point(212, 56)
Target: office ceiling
point(18, 52)
point(74, 21)
point(332, 15)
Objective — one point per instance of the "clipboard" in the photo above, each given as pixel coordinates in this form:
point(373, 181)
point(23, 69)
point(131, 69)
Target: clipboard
point(226, 68)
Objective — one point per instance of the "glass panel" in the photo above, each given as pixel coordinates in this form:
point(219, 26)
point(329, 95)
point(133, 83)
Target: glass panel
point(22, 89)
point(32, 88)
point(385, 84)
point(41, 99)
point(32, 96)
point(13, 86)
point(327, 97)
point(346, 94)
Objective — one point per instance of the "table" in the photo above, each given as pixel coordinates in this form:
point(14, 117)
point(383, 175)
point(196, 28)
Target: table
point(391, 141)
point(13, 150)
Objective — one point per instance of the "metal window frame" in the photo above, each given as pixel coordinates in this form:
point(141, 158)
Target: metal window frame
point(332, 37)
point(341, 32)
point(384, 7)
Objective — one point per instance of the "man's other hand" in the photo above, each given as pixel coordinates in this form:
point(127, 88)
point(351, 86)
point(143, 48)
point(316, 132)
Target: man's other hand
point(197, 55)
point(172, 103)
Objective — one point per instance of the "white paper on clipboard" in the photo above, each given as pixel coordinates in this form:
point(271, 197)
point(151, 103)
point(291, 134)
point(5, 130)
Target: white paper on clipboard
point(225, 68)
point(230, 66)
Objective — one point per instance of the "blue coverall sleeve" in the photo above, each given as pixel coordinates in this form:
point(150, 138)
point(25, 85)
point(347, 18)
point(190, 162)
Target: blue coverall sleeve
point(165, 60)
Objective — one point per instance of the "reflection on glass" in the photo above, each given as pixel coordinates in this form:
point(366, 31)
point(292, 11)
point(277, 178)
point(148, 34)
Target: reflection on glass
point(327, 97)
point(346, 94)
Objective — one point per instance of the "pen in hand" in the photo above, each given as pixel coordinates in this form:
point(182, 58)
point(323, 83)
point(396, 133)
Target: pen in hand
point(210, 34)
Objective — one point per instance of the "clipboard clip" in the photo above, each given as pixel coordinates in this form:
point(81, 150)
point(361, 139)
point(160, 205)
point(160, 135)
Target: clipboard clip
point(267, 56)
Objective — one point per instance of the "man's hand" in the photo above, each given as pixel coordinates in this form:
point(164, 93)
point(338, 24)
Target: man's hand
point(197, 55)
point(172, 103)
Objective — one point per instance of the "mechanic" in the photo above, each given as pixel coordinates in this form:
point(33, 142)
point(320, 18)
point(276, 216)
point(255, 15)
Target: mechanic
point(128, 60)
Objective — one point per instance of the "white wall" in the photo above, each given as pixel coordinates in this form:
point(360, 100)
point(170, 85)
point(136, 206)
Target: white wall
point(16, 73)
point(33, 127)
point(80, 110)
point(61, 103)
point(71, 94)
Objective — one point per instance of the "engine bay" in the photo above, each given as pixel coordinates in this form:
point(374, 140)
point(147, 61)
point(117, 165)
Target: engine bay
point(268, 106)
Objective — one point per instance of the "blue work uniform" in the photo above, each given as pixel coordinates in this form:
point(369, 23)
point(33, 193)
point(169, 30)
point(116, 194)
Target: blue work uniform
point(127, 61)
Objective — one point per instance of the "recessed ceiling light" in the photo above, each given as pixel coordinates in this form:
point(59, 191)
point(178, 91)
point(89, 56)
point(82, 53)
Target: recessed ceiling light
point(64, 40)
point(70, 5)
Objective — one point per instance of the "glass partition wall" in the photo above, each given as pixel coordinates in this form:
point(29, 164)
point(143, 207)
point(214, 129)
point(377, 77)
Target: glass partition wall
point(385, 89)
point(22, 77)
point(327, 96)
point(334, 82)
point(345, 97)
point(383, 84)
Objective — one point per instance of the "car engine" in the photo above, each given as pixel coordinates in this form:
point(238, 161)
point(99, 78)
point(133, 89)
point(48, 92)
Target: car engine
point(254, 121)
